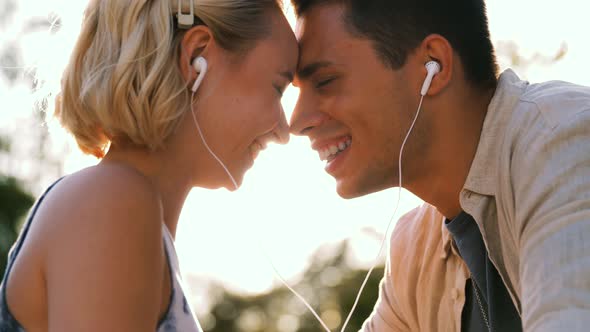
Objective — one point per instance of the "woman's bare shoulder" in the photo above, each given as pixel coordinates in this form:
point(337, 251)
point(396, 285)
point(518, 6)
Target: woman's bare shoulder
point(102, 229)
point(100, 206)
point(110, 192)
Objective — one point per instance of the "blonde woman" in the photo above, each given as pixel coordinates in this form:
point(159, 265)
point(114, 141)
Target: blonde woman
point(97, 252)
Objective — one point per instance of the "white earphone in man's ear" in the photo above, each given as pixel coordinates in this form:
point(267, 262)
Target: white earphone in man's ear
point(200, 65)
point(433, 68)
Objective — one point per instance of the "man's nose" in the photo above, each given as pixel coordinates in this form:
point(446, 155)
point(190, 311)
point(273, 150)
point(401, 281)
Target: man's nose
point(305, 116)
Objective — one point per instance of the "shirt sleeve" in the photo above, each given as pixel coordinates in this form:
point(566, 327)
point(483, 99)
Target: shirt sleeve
point(551, 178)
point(385, 316)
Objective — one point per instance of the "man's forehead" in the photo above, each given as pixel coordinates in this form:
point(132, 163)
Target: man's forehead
point(327, 17)
point(320, 32)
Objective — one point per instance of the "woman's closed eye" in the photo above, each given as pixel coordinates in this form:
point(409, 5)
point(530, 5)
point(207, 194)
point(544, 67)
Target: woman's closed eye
point(280, 89)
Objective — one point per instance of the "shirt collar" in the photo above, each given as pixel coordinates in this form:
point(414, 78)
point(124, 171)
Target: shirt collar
point(481, 178)
point(447, 240)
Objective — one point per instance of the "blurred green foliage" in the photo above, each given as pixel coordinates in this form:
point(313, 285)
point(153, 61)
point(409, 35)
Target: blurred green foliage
point(15, 201)
point(329, 285)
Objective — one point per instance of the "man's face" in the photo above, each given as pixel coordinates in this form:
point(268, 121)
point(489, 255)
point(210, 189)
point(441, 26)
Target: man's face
point(354, 109)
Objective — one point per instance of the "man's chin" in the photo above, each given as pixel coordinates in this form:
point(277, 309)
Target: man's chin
point(348, 189)
point(347, 195)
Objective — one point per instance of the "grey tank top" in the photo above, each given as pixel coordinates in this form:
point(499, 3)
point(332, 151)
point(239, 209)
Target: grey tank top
point(178, 318)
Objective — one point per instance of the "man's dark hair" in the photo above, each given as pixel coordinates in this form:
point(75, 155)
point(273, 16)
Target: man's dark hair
point(397, 27)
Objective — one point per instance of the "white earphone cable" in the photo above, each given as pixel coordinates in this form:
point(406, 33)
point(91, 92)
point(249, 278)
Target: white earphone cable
point(207, 145)
point(401, 151)
point(299, 296)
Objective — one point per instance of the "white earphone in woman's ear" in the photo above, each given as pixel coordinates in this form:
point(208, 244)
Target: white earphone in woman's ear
point(200, 65)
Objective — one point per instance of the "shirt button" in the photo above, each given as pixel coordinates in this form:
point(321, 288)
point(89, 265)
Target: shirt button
point(454, 294)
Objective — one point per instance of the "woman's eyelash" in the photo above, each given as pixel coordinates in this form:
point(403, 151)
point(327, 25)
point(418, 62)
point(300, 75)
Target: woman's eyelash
point(279, 90)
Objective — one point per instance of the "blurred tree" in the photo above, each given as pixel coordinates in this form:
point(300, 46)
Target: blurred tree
point(7, 8)
point(14, 202)
point(510, 51)
point(15, 199)
point(4, 144)
point(330, 285)
point(30, 154)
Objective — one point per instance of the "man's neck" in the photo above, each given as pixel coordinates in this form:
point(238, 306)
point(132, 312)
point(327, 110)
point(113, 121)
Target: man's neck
point(455, 145)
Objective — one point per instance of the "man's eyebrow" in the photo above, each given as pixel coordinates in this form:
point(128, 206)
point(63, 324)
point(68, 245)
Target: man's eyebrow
point(288, 75)
point(310, 69)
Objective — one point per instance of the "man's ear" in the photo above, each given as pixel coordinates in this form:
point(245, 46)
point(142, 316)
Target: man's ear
point(196, 42)
point(437, 48)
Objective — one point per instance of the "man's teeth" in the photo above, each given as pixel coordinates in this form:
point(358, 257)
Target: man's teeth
point(333, 150)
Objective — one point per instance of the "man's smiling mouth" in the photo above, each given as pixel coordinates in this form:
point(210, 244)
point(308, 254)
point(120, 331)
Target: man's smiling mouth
point(331, 151)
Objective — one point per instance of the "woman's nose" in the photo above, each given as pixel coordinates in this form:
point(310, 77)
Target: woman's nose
point(281, 132)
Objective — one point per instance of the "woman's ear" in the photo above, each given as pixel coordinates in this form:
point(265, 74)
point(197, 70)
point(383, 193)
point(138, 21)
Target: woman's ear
point(196, 42)
point(437, 48)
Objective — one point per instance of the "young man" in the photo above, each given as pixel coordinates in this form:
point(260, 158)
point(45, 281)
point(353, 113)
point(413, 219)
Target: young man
point(503, 165)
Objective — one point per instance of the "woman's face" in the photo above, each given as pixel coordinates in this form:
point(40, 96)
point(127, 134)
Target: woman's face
point(238, 105)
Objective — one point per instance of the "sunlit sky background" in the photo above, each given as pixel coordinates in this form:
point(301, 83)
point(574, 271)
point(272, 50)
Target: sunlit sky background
point(287, 206)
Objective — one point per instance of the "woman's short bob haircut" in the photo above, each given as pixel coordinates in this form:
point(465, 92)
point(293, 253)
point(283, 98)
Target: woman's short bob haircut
point(123, 82)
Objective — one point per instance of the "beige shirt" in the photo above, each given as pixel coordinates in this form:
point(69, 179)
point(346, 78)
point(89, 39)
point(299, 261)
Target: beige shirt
point(529, 191)
point(424, 284)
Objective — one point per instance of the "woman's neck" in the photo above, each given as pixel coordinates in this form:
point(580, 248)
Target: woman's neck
point(172, 185)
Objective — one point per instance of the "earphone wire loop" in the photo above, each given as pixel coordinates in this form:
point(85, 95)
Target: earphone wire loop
point(299, 296)
point(392, 217)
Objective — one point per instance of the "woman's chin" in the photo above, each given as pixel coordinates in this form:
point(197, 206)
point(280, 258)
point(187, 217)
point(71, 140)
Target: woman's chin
point(225, 183)
point(229, 184)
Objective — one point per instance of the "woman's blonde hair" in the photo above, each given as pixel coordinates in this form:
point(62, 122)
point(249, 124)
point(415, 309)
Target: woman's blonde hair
point(123, 82)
